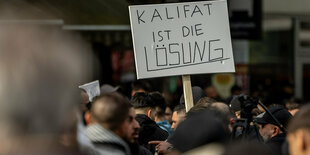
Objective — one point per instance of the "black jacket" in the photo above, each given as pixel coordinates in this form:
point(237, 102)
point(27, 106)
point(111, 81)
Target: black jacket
point(275, 143)
point(149, 131)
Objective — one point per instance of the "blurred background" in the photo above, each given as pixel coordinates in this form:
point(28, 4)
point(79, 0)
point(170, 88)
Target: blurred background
point(271, 43)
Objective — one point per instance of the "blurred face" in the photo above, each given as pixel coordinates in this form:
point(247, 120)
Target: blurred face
point(211, 92)
point(130, 128)
point(177, 119)
point(84, 100)
point(84, 97)
point(294, 143)
point(168, 115)
point(267, 131)
point(299, 142)
point(238, 115)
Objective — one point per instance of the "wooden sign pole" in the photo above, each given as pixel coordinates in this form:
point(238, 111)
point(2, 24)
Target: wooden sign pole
point(187, 91)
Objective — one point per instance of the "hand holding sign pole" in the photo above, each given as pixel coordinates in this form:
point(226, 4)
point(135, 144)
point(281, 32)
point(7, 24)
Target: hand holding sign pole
point(181, 39)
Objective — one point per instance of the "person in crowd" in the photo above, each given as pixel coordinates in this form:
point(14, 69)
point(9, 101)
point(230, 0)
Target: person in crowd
point(247, 148)
point(238, 103)
point(271, 131)
point(145, 109)
point(198, 93)
point(83, 140)
point(178, 116)
point(168, 114)
point(235, 106)
point(211, 92)
point(204, 103)
point(140, 86)
point(112, 123)
point(83, 121)
point(84, 99)
point(235, 90)
point(85, 106)
point(160, 117)
point(293, 106)
point(107, 88)
point(299, 132)
point(199, 129)
point(228, 116)
point(40, 69)
point(218, 107)
point(135, 147)
point(286, 91)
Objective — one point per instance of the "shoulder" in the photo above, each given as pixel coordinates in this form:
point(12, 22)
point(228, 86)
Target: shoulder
point(109, 149)
point(144, 151)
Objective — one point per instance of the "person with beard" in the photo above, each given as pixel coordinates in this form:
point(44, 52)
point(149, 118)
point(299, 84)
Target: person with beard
point(145, 108)
point(202, 132)
point(111, 125)
point(270, 130)
point(179, 114)
point(133, 132)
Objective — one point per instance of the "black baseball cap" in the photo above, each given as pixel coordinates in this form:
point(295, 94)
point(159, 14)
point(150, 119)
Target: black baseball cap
point(281, 114)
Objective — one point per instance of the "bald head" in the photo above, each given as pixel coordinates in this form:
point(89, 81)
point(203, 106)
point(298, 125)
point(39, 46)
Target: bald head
point(110, 110)
point(222, 107)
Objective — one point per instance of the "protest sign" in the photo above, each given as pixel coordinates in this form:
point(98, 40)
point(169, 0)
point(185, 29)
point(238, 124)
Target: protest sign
point(181, 38)
point(92, 89)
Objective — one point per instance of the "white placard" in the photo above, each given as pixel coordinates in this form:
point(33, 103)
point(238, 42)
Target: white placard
point(92, 89)
point(181, 38)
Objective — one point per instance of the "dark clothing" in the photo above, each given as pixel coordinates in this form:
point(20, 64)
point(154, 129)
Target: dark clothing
point(199, 129)
point(275, 143)
point(136, 149)
point(149, 131)
point(284, 148)
point(144, 151)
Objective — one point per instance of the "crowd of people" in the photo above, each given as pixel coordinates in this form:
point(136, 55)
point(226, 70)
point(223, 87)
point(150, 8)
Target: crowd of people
point(209, 127)
point(41, 112)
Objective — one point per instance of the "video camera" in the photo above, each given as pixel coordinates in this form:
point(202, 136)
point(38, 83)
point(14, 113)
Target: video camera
point(247, 105)
point(244, 127)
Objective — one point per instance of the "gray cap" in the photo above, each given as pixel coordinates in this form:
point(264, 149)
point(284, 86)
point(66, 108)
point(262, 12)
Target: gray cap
point(198, 93)
point(106, 88)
